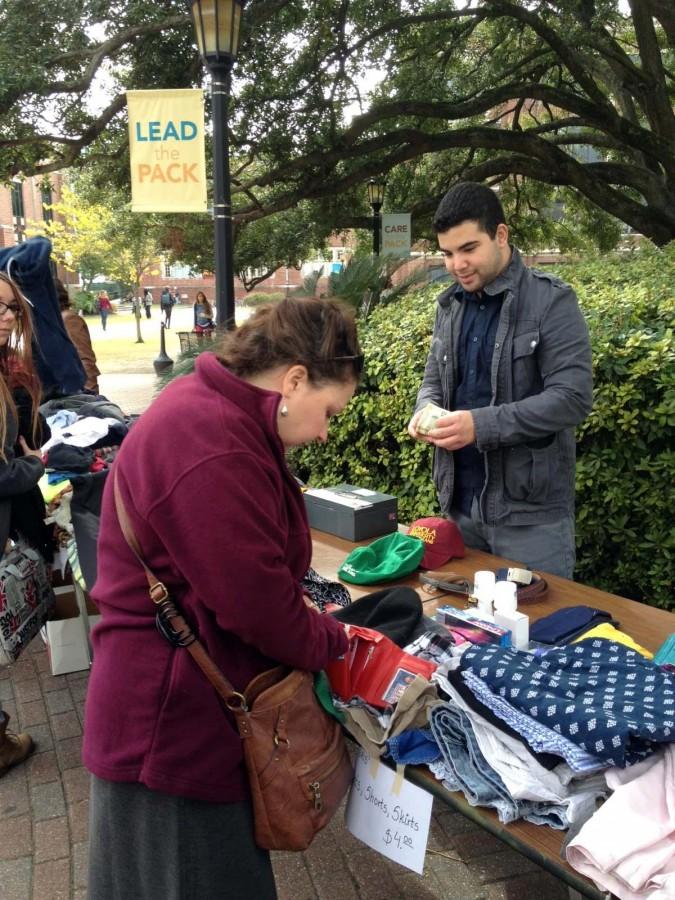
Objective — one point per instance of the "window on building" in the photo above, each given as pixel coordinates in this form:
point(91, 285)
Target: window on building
point(47, 200)
point(176, 271)
point(18, 213)
point(17, 200)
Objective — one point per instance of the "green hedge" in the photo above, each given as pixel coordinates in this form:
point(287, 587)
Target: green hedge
point(259, 298)
point(626, 455)
point(626, 451)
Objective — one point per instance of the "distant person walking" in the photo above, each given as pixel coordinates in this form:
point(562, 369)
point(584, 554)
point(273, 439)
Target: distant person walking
point(166, 302)
point(147, 303)
point(104, 307)
point(176, 295)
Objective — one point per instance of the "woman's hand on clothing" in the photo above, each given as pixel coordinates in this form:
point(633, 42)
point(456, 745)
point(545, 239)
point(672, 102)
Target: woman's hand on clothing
point(310, 603)
point(27, 450)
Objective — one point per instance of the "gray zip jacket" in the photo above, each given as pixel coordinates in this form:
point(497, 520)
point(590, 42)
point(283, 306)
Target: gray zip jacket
point(541, 389)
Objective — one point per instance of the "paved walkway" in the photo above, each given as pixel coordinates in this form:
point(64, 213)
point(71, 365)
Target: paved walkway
point(44, 807)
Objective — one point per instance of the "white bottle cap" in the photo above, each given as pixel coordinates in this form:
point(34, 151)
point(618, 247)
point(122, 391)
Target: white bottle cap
point(483, 586)
point(505, 597)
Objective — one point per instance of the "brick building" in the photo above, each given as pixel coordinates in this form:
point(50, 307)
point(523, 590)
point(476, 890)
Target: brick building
point(26, 200)
point(23, 201)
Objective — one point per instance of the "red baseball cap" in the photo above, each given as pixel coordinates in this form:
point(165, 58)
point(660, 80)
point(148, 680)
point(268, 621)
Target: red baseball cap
point(442, 538)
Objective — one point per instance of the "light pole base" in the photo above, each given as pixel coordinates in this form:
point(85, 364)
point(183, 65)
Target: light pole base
point(163, 363)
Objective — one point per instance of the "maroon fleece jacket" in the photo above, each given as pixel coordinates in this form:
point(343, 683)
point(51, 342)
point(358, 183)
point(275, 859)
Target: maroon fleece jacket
point(222, 523)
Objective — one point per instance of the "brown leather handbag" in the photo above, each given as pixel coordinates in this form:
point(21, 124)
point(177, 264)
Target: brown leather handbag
point(295, 753)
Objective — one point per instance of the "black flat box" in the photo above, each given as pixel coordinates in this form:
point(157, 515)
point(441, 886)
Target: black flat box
point(350, 512)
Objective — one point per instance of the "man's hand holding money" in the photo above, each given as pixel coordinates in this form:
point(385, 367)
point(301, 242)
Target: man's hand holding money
point(449, 430)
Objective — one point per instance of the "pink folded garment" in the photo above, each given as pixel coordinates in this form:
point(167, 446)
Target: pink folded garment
point(628, 846)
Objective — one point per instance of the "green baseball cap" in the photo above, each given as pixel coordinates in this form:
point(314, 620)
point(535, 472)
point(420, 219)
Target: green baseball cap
point(389, 557)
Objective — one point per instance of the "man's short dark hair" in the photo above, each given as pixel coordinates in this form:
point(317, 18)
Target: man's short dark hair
point(469, 201)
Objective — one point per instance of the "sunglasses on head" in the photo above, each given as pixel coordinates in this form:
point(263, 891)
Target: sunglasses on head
point(357, 360)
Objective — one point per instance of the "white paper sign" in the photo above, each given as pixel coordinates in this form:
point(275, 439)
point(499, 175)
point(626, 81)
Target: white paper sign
point(388, 813)
point(396, 234)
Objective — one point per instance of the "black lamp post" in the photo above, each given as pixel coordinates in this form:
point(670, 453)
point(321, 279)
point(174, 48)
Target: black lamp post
point(376, 188)
point(163, 363)
point(217, 28)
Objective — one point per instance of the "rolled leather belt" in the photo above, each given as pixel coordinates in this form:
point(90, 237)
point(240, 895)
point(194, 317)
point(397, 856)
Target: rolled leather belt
point(533, 592)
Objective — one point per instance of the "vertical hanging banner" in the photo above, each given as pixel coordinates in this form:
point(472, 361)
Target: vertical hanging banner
point(166, 147)
point(396, 234)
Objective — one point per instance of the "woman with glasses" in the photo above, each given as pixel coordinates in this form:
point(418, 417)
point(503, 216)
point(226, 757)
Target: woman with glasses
point(22, 509)
point(162, 748)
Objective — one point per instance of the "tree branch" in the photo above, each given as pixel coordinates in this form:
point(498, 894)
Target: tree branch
point(656, 101)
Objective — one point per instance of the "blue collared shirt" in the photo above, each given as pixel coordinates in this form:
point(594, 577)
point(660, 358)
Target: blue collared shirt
point(474, 385)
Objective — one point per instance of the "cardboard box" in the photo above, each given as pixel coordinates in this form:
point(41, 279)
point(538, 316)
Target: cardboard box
point(350, 512)
point(67, 644)
point(90, 611)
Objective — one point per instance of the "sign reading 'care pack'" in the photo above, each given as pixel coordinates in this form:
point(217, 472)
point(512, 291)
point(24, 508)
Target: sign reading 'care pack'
point(166, 143)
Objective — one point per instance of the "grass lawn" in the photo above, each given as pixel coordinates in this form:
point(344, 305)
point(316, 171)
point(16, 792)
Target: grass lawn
point(116, 348)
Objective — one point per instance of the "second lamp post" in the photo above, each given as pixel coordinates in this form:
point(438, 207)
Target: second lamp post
point(217, 27)
point(376, 199)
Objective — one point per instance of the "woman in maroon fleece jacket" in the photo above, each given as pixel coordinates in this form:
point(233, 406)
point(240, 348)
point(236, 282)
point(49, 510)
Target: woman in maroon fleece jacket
point(170, 814)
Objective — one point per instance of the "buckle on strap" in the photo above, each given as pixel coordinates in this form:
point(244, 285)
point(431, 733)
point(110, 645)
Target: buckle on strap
point(165, 628)
point(158, 593)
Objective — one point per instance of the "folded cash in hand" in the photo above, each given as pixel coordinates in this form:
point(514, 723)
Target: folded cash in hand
point(430, 415)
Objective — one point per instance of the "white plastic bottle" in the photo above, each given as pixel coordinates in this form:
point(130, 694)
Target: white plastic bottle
point(483, 590)
point(507, 615)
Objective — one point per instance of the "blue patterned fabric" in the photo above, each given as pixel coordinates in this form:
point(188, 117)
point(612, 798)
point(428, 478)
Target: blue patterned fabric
point(540, 737)
point(601, 695)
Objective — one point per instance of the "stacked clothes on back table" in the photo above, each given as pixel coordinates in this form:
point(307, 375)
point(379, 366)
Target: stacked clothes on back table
point(545, 734)
point(86, 431)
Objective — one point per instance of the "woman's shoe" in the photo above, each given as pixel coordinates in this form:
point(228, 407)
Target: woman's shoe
point(14, 748)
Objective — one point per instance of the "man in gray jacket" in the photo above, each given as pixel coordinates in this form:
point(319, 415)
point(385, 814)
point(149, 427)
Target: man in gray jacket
point(511, 359)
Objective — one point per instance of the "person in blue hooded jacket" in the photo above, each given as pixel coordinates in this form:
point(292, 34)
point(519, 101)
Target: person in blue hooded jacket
point(57, 365)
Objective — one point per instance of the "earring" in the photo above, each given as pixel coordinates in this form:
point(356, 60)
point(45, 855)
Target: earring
point(284, 410)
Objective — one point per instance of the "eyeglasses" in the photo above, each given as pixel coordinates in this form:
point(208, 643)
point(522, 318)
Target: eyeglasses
point(357, 360)
point(14, 308)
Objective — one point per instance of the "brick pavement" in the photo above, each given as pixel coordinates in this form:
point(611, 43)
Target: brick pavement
point(44, 818)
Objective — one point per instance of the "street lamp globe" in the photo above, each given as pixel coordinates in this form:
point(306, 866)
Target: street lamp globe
point(376, 188)
point(217, 29)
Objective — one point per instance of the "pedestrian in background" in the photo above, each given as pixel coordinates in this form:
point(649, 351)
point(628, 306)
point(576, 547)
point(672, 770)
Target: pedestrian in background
point(203, 315)
point(104, 307)
point(166, 302)
point(147, 303)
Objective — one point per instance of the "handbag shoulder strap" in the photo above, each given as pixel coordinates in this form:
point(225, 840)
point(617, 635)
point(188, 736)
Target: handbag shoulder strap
point(168, 610)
